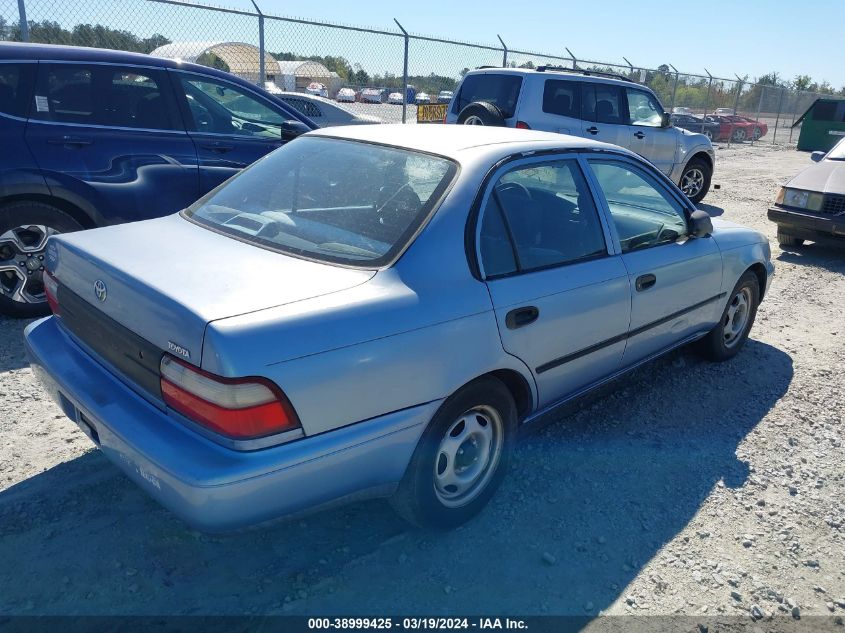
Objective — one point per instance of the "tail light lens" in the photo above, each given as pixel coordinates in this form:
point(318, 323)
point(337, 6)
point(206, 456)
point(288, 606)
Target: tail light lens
point(522, 125)
point(51, 290)
point(239, 408)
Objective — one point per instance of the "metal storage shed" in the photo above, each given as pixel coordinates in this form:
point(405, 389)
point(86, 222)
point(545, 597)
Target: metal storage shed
point(294, 76)
point(822, 125)
point(243, 60)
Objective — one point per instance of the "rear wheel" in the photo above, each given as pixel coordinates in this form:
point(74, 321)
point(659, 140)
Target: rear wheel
point(738, 135)
point(695, 180)
point(461, 458)
point(481, 113)
point(728, 337)
point(784, 239)
point(756, 134)
point(24, 230)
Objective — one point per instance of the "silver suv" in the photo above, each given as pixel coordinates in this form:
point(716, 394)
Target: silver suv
point(591, 104)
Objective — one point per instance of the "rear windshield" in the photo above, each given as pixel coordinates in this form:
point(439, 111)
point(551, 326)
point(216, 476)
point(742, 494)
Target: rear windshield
point(500, 90)
point(333, 200)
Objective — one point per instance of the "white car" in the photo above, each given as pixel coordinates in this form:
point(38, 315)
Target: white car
point(725, 112)
point(323, 112)
point(346, 95)
point(682, 110)
point(422, 97)
point(395, 98)
point(318, 89)
point(373, 95)
point(445, 96)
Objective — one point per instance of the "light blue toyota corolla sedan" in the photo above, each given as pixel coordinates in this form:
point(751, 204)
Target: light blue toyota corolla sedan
point(375, 311)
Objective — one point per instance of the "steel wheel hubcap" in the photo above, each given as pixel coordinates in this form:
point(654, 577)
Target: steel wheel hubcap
point(692, 182)
point(467, 456)
point(22, 262)
point(473, 120)
point(736, 318)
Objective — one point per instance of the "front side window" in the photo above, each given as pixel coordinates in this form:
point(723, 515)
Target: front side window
point(16, 88)
point(500, 90)
point(539, 216)
point(644, 213)
point(218, 107)
point(644, 109)
point(333, 200)
point(101, 94)
point(602, 103)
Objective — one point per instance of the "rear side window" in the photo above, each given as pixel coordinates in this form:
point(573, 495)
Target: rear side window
point(16, 88)
point(562, 98)
point(500, 90)
point(106, 95)
point(306, 107)
point(602, 103)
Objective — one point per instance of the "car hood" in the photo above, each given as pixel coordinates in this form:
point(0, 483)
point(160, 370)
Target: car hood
point(827, 176)
point(166, 279)
point(730, 235)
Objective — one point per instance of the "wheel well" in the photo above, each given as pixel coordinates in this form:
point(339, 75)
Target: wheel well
point(760, 270)
point(703, 156)
point(518, 386)
point(62, 205)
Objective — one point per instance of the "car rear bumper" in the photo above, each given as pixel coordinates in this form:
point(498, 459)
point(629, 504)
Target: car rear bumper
point(828, 229)
point(212, 487)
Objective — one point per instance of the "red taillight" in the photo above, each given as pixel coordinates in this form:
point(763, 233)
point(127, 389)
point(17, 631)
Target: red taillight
point(522, 125)
point(239, 408)
point(51, 290)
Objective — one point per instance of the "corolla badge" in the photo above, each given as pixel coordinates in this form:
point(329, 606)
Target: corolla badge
point(100, 290)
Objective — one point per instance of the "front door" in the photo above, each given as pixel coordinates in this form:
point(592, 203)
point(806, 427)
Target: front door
point(231, 126)
point(111, 137)
point(675, 280)
point(562, 300)
point(645, 136)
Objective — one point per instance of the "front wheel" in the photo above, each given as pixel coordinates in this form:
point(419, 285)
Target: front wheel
point(461, 458)
point(756, 134)
point(24, 230)
point(695, 180)
point(784, 239)
point(738, 135)
point(725, 340)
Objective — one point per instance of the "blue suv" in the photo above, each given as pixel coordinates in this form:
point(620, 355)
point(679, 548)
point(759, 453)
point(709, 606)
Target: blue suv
point(95, 137)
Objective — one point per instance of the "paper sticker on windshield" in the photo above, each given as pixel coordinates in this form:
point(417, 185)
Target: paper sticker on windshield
point(41, 104)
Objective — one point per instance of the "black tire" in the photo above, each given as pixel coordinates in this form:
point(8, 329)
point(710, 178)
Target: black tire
point(417, 499)
point(24, 213)
point(757, 134)
point(713, 346)
point(481, 113)
point(786, 240)
point(707, 173)
point(738, 135)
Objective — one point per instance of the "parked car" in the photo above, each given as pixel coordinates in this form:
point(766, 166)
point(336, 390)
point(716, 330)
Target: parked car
point(811, 206)
point(347, 95)
point(94, 137)
point(374, 95)
point(724, 111)
point(710, 129)
point(341, 320)
point(759, 129)
point(395, 98)
point(682, 110)
point(317, 89)
point(726, 127)
point(734, 128)
point(323, 112)
point(591, 104)
point(445, 96)
point(422, 97)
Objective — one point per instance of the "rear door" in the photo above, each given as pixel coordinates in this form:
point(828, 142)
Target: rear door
point(603, 113)
point(560, 109)
point(562, 299)
point(231, 126)
point(644, 135)
point(111, 136)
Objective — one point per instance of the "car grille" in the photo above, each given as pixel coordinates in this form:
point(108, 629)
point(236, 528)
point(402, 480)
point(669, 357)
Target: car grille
point(135, 359)
point(833, 204)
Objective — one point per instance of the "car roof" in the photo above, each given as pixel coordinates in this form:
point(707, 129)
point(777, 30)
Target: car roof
point(451, 140)
point(556, 74)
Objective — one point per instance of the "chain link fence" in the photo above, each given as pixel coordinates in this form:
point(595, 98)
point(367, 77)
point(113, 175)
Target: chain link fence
point(381, 73)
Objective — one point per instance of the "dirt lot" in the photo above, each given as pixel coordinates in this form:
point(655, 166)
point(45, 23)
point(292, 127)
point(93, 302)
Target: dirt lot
point(686, 487)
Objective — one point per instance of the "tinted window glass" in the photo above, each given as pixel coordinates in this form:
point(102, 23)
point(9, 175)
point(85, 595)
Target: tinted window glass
point(549, 214)
point(561, 97)
point(104, 95)
point(602, 103)
point(500, 90)
point(222, 108)
point(496, 247)
point(645, 214)
point(328, 199)
point(16, 88)
point(643, 108)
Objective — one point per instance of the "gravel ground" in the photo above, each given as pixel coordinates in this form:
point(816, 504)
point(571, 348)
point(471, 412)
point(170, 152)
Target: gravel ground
point(684, 488)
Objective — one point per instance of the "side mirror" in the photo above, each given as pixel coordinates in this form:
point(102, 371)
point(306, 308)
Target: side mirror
point(665, 120)
point(700, 224)
point(290, 129)
point(817, 157)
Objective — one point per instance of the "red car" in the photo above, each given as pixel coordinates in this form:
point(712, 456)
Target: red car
point(733, 127)
point(759, 130)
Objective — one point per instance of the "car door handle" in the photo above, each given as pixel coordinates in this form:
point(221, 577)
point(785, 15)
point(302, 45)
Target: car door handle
point(644, 282)
point(69, 141)
point(639, 135)
point(521, 317)
point(593, 130)
point(220, 148)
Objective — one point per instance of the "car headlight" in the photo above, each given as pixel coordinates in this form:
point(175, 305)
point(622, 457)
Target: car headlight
point(799, 199)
